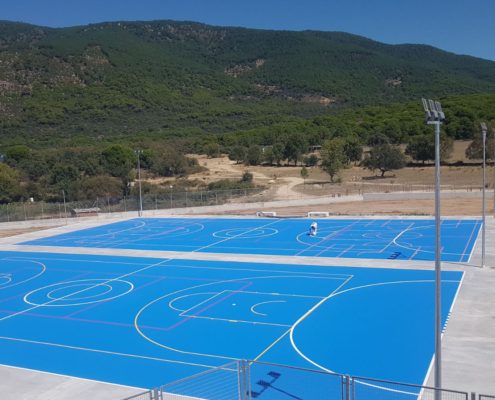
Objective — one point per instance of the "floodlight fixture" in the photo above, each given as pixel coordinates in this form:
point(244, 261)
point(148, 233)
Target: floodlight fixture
point(433, 111)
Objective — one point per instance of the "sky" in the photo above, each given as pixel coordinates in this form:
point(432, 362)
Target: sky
point(459, 26)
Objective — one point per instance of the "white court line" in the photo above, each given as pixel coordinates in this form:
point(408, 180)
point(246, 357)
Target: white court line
point(342, 276)
point(182, 297)
point(474, 243)
point(83, 290)
point(43, 269)
point(54, 238)
point(291, 329)
point(329, 236)
point(115, 353)
point(265, 302)
point(235, 236)
point(136, 318)
point(334, 294)
point(393, 240)
point(242, 321)
point(203, 302)
point(90, 286)
point(413, 248)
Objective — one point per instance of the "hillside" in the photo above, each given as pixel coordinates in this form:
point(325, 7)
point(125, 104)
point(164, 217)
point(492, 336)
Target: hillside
point(175, 79)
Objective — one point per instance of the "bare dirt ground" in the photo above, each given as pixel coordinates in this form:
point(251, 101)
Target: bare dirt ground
point(449, 207)
point(13, 232)
point(285, 182)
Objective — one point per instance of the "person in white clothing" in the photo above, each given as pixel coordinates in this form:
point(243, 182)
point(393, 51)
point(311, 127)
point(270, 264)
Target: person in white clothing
point(313, 229)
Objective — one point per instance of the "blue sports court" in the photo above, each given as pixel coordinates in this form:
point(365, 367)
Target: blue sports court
point(399, 239)
point(146, 321)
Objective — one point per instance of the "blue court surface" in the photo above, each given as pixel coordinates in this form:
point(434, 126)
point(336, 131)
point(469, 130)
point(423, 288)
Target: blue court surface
point(144, 322)
point(347, 238)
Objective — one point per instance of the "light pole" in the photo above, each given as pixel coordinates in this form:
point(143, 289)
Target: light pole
point(171, 198)
point(65, 205)
point(493, 129)
point(138, 153)
point(435, 116)
point(483, 229)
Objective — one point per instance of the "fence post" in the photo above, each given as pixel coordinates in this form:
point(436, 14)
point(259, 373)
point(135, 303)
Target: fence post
point(473, 396)
point(347, 387)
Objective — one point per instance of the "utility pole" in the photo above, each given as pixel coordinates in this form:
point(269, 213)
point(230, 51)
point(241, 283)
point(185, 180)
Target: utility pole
point(138, 153)
point(435, 116)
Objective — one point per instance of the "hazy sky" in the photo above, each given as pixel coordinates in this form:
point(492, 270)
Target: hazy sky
point(460, 26)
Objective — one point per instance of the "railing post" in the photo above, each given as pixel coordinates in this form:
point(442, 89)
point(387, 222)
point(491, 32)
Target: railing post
point(473, 396)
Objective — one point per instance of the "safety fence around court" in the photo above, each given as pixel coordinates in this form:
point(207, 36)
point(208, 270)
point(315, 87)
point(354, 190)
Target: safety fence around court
point(486, 397)
point(39, 210)
point(248, 380)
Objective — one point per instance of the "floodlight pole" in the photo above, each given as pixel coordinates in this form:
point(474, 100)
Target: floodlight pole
point(493, 129)
point(435, 116)
point(140, 211)
point(65, 205)
point(483, 228)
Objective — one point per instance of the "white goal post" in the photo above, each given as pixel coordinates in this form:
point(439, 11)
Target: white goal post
point(266, 214)
point(313, 214)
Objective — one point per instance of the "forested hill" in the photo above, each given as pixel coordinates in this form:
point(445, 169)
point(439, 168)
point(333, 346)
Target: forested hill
point(182, 78)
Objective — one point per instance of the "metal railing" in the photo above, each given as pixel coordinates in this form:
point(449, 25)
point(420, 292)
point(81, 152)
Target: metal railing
point(249, 380)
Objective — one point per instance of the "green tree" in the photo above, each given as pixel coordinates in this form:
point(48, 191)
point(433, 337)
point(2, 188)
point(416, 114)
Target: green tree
point(237, 154)
point(101, 186)
point(333, 157)
point(475, 149)
point(295, 147)
point(212, 150)
point(422, 147)
point(16, 154)
point(311, 160)
point(253, 155)
point(10, 187)
point(278, 152)
point(64, 176)
point(119, 161)
point(385, 158)
point(247, 177)
point(304, 174)
point(353, 149)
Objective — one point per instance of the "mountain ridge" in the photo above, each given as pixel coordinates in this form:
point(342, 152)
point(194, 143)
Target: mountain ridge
point(188, 77)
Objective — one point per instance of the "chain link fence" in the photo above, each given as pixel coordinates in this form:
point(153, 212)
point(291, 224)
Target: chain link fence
point(248, 380)
point(42, 210)
point(32, 210)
